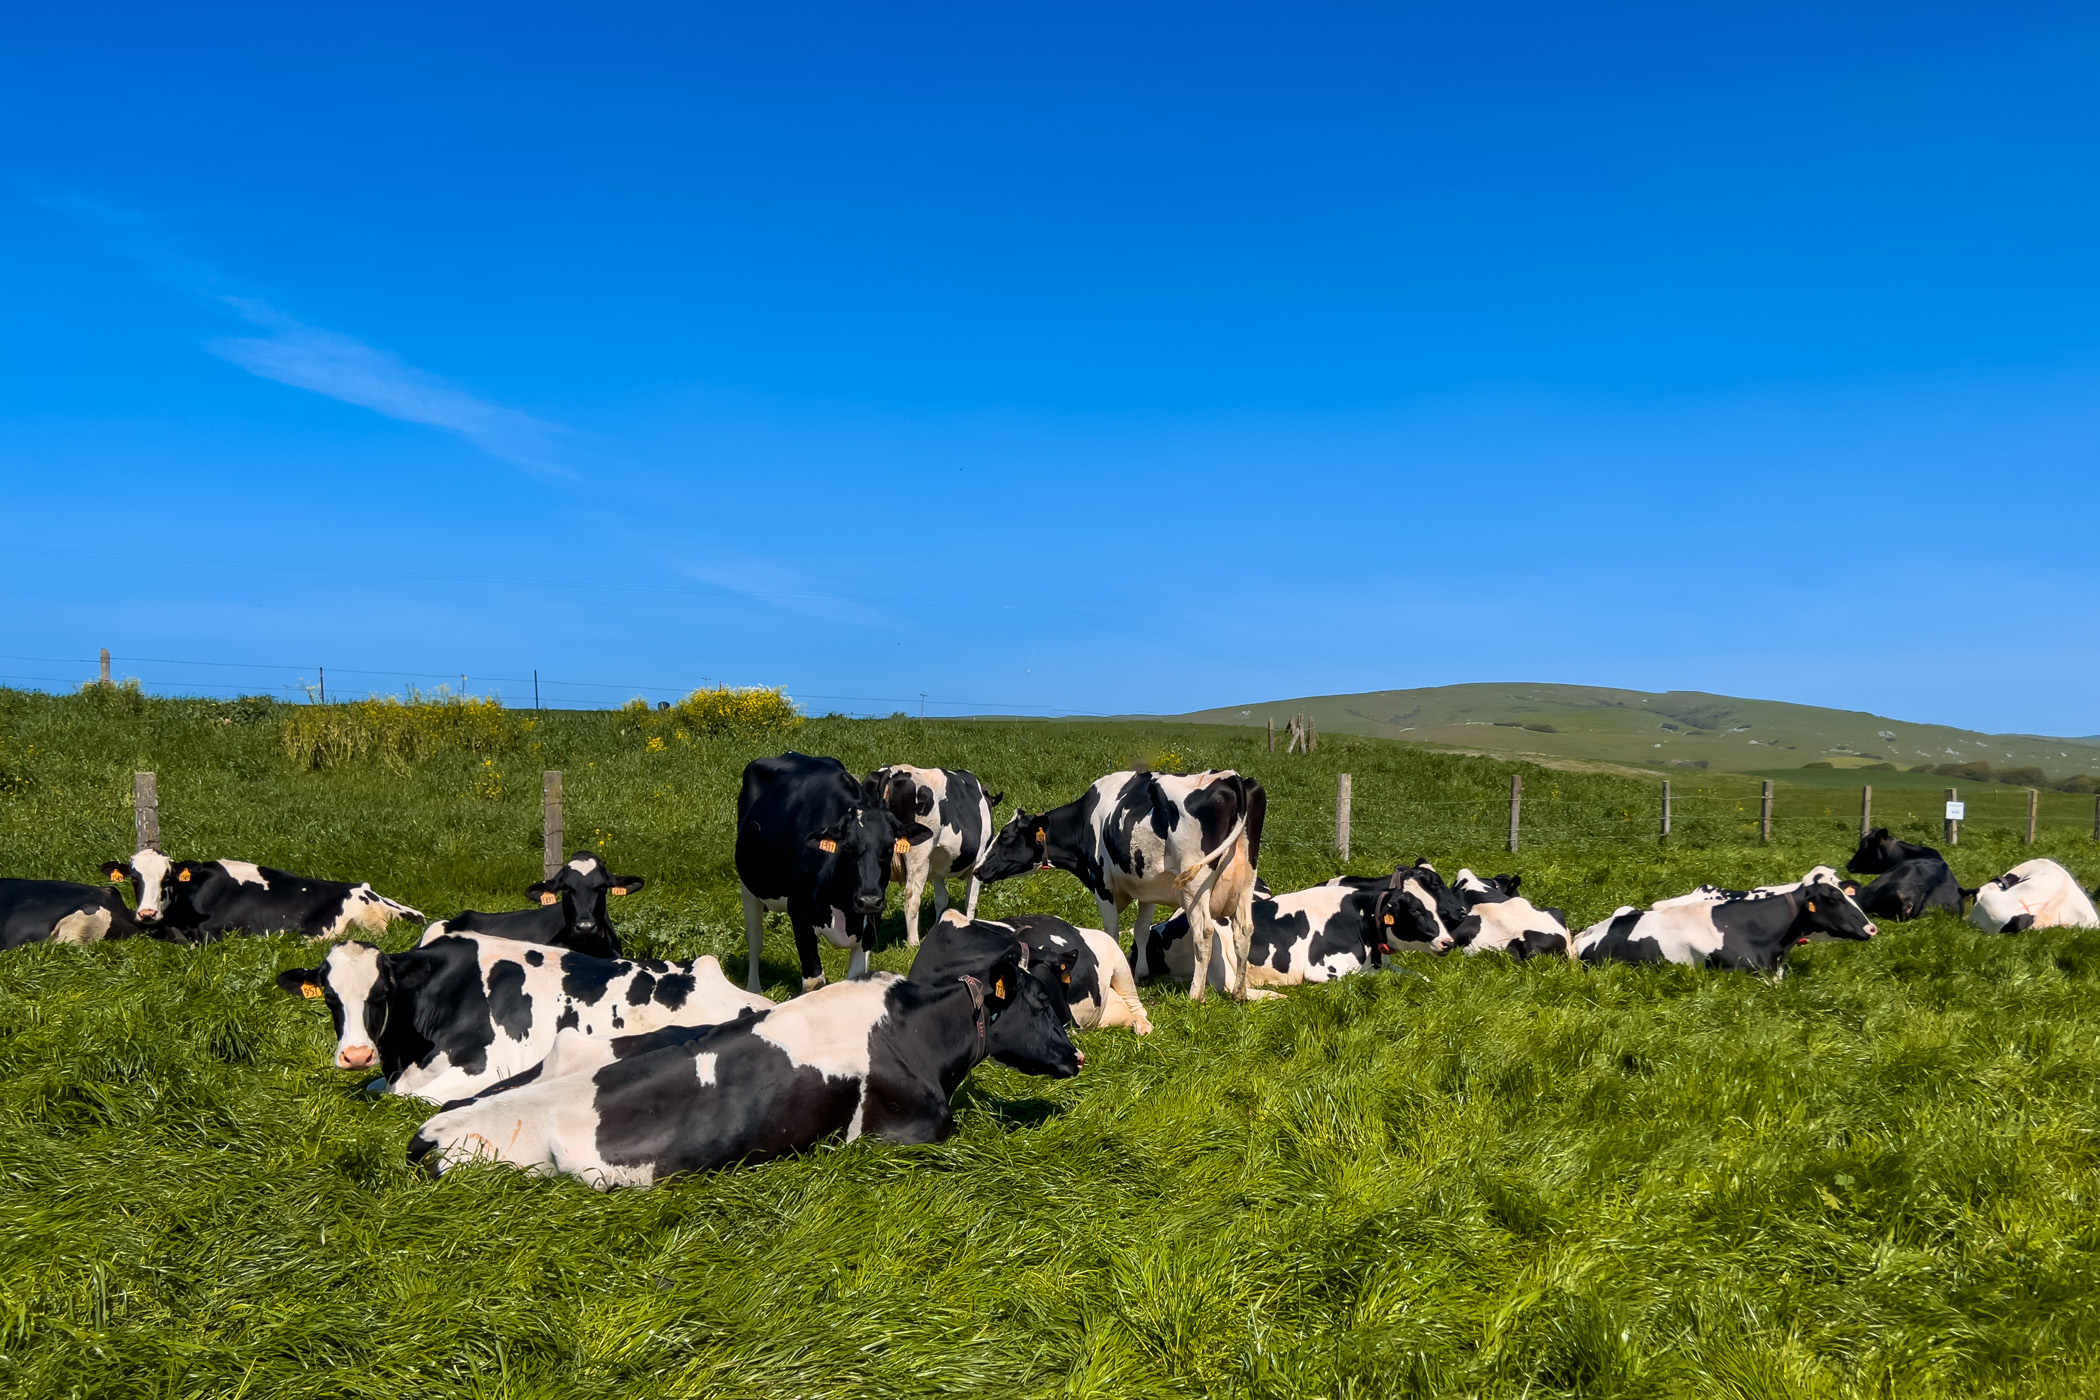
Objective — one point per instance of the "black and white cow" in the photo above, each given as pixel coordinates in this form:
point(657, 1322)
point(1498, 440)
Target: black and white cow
point(1314, 935)
point(879, 1057)
point(1750, 934)
point(59, 911)
point(199, 900)
point(571, 912)
point(1499, 920)
point(1451, 904)
point(951, 803)
point(1098, 985)
point(808, 841)
point(450, 1017)
point(1494, 889)
point(1149, 838)
point(2033, 894)
point(1908, 879)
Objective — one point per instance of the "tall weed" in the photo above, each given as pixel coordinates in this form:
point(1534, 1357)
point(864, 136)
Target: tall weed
point(399, 731)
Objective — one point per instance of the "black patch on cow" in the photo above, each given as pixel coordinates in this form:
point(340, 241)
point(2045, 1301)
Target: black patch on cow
point(1619, 945)
point(535, 957)
point(584, 978)
point(508, 1004)
point(673, 988)
point(640, 989)
point(568, 1020)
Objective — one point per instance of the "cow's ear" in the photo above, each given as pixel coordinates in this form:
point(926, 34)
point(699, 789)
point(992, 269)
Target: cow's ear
point(182, 873)
point(116, 870)
point(871, 789)
point(993, 799)
point(301, 982)
point(1063, 963)
point(1003, 984)
point(543, 891)
point(826, 841)
point(626, 884)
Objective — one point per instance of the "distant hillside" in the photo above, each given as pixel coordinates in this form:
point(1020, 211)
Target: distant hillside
point(1678, 728)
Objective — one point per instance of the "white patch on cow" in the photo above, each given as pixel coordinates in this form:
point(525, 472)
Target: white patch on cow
point(352, 970)
point(1504, 924)
point(153, 869)
point(2040, 888)
point(584, 865)
point(245, 871)
point(704, 1067)
point(1118, 1004)
point(828, 1029)
point(82, 926)
point(1058, 939)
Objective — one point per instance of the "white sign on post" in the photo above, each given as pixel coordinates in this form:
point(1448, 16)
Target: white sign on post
point(1955, 810)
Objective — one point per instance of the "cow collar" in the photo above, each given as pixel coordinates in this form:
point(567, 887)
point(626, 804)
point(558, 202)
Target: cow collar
point(976, 990)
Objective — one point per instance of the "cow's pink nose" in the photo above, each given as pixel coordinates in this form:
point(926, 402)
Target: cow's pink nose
point(354, 1057)
point(1871, 930)
point(1082, 1058)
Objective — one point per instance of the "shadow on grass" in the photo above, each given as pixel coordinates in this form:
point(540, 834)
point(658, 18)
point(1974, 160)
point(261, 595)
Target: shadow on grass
point(1008, 1113)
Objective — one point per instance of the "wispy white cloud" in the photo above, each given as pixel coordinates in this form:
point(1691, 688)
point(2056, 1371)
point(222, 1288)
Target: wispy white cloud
point(342, 367)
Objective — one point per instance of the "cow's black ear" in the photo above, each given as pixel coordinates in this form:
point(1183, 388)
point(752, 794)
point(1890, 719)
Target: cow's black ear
point(545, 891)
point(116, 870)
point(1003, 984)
point(297, 980)
point(626, 884)
point(871, 789)
point(993, 799)
point(826, 840)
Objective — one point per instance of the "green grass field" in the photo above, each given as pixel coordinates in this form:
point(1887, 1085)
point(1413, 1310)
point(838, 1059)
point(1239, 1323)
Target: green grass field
point(1880, 1177)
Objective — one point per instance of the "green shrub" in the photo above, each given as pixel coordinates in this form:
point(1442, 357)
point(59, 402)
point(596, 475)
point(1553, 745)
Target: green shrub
point(399, 731)
point(722, 711)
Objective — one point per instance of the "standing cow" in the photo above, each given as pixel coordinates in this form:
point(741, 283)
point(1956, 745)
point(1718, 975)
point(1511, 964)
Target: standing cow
point(809, 842)
point(201, 900)
point(1149, 838)
point(952, 803)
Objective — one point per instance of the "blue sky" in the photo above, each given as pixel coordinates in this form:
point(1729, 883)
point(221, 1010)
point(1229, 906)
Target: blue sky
point(1058, 358)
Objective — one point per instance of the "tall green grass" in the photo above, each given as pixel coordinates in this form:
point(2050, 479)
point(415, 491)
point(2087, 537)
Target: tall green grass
point(1878, 1177)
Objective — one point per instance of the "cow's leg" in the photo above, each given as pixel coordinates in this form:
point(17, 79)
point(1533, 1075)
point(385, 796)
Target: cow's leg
point(1146, 908)
point(940, 896)
point(1111, 916)
point(806, 949)
point(754, 936)
point(914, 891)
point(1202, 934)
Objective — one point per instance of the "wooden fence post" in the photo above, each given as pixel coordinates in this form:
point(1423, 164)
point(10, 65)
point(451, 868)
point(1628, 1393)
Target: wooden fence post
point(1516, 805)
point(145, 811)
point(1272, 733)
point(551, 852)
point(1341, 815)
point(1953, 826)
point(1764, 813)
point(2096, 819)
point(1866, 809)
point(105, 666)
point(1312, 734)
point(2034, 802)
point(323, 684)
point(1666, 807)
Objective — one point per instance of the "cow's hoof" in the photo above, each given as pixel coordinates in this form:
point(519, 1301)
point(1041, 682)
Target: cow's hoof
point(1141, 1028)
point(810, 984)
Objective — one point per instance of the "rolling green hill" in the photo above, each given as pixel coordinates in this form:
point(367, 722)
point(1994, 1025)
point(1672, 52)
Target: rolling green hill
point(1676, 728)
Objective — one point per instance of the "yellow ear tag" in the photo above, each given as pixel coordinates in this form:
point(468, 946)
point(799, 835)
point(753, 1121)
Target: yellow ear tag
point(116, 877)
point(312, 991)
point(549, 897)
point(619, 889)
point(828, 846)
point(1389, 920)
point(183, 876)
point(999, 989)
point(1067, 975)
point(903, 847)
point(1811, 906)
point(1039, 835)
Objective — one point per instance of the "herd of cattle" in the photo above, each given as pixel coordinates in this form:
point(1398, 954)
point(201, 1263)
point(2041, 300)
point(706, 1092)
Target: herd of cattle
point(543, 1047)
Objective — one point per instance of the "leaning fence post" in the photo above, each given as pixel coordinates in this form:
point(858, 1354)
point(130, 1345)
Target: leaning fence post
point(2034, 802)
point(1953, 826)
point(1341, 815)
point(105, 666)
point(1764, 813)
point(145, 811)
point(1666, 807)
point(1272, 733)
point(1866, 809)
point(550, 783)
point(1516, 805)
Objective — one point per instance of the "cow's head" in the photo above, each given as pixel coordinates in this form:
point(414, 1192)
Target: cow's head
point(1878, 851)
point(156, 881)
point(1022, 845)
point(853, 857)
point(899, 794)
point(1053, 968)
point(356, 981)
point(1405, 911)
point(1450, 907)
point(1025, 1024)
point(581, 887)
point(1826, 908)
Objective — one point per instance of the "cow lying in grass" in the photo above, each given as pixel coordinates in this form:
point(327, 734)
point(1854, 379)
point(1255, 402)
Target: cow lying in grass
point(1908, 879)
point(1315, 935)
point(199, 900)
point(878, 1057)
point(449, 1018)
point(59, 911)
point(1098, 986)
point(1499, 920)
point(1753, 932)
point(2033, 894)
point(571, 913)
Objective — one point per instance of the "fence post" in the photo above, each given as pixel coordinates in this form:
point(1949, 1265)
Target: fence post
point(2096, 819)
point(2034, 802)
point(1341, 814)
point(1953, 826)
point(323, 684)
point(1272, 733)
point(105, 666)
point(1312, 734)
point(1764, 813)
point(1866, 809)
point(551, 856)
point(1666, 807)
point(1516, 805)
point(535, 688)
point(145, 811)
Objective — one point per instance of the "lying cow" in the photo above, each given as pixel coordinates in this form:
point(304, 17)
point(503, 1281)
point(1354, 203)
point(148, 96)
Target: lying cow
point(877, 1057)
point(59, 911)
point(450, 1017)
point(1514, 926)
point(2033, 894)
point(809, 842)
point(1148, 838)
point(571, 912)
point(1751, 934)
point(956, 947)
point(1314, 935)
point(1451, 904)
point(1098, 985)
point(1908, 879)
point(953, 805)
point(199, 900)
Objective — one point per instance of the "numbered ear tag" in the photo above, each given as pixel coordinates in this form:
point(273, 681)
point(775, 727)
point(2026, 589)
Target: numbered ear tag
point(116, 877)
point(1039, 835)
point(999, 989)
point(312, 991)
point(828, 846)
point(903, 847)
point(183, 876)
point(547, 897)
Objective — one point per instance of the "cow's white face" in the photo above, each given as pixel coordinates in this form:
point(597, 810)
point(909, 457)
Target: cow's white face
point(151, 870)
point(352, 973)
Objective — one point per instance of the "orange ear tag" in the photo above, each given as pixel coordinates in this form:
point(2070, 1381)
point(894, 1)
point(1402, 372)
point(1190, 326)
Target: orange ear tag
point(1039, 835)
point(116, 877)
point(619, 889)
point(999, 989)
point(903, 847)
point(1067, 975)
point(183, 876)
point(828, 846)
point(1389, 921)
point(1811, 906)
point(312, 991)
point(547, 897)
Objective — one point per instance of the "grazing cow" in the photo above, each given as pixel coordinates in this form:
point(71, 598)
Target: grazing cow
point(1315, 935)
point(199, 900)
point(2033, 894)
point(1514, 926)
point(880, 1057)
point(571, 912)
point(1908, 879)
point(953, 804)
point(1148, 838)
point(59, 911)
point(455, 1015)
point(1098, 985)
point(1752, 934)
point(808, 841)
